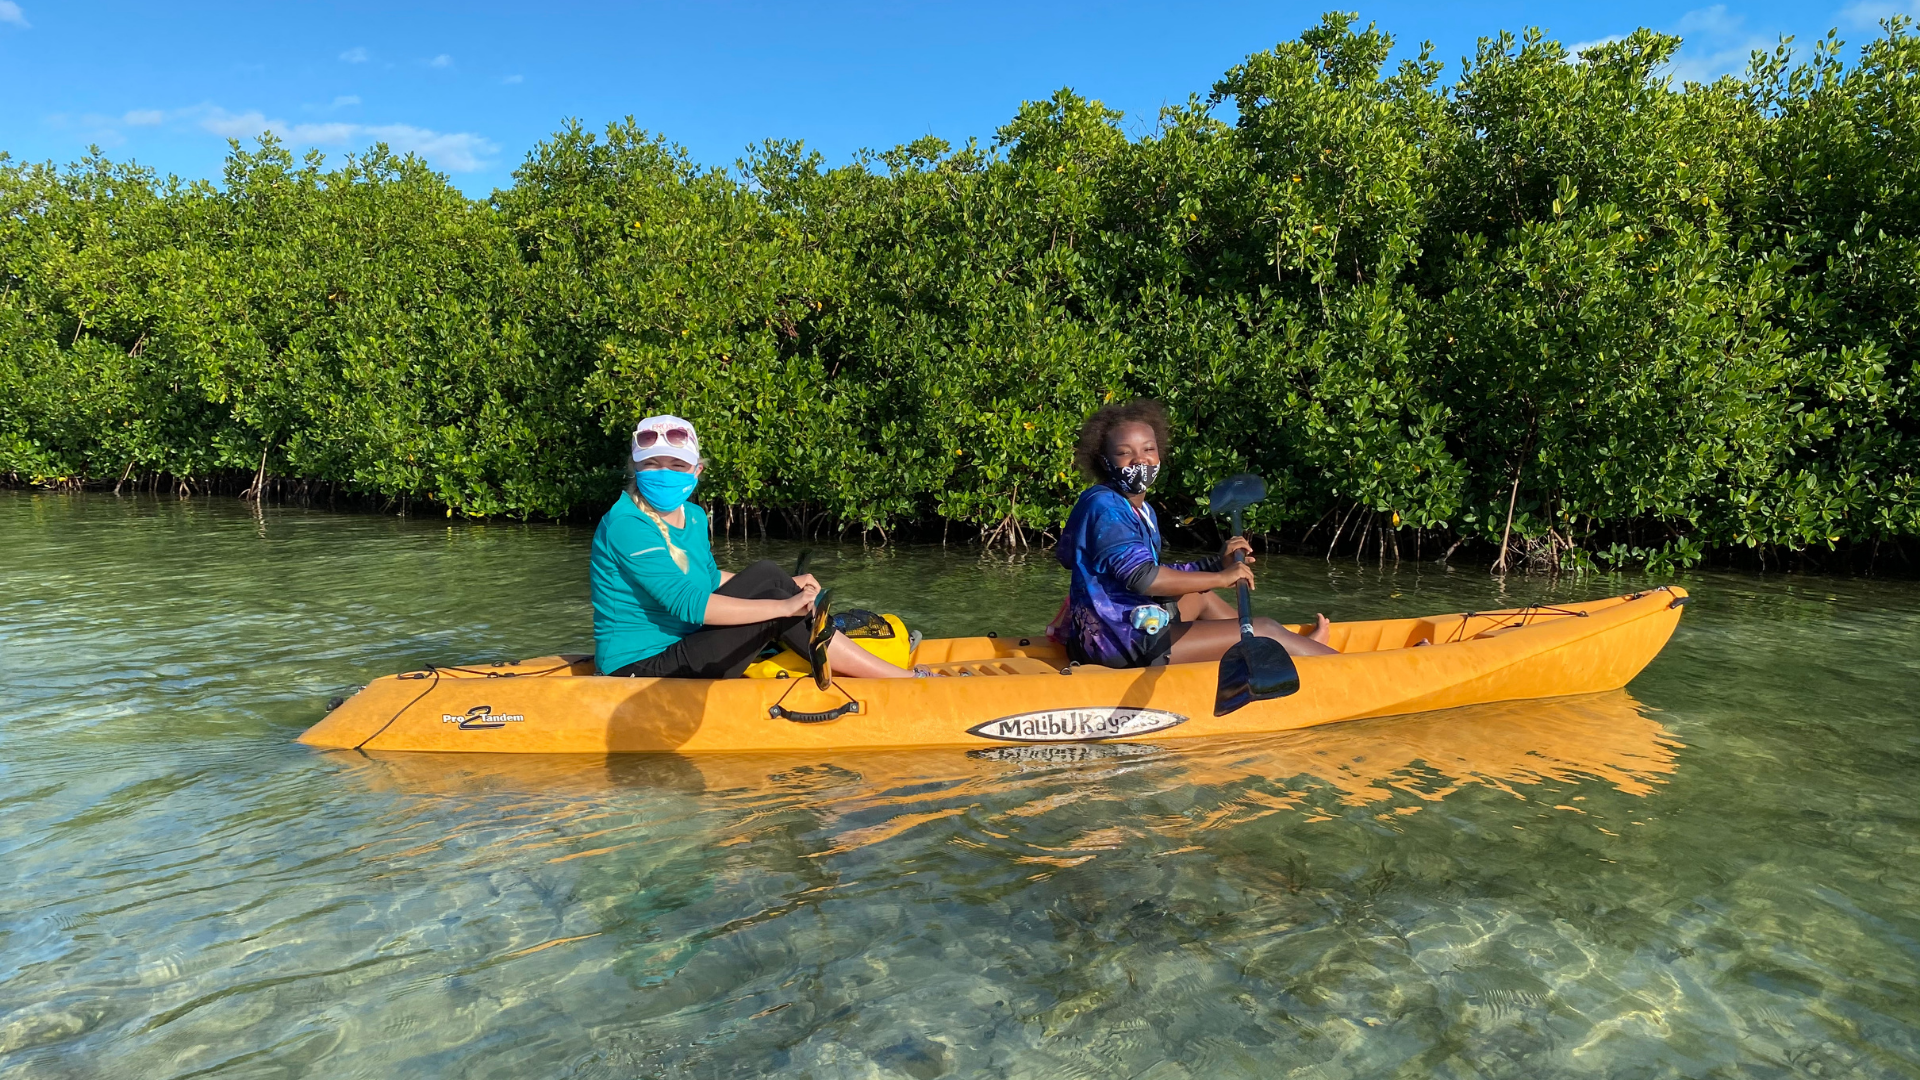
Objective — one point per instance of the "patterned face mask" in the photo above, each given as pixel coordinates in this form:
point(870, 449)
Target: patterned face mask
point(1133, 479)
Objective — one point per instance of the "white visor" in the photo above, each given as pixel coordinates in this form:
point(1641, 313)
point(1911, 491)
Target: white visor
point(665, 432)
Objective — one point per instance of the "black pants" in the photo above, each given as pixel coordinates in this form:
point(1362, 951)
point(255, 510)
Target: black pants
point(723, 652)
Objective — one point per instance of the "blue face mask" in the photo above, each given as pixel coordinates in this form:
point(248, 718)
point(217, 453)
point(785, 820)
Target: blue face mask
point(665, 489)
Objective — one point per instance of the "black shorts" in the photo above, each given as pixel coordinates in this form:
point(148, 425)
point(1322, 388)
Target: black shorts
point(723, 652)
point(1157, 649)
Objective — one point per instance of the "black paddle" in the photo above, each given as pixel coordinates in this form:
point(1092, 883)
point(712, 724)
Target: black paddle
point(820, 630)
point(819, 636)
point(1256, 668)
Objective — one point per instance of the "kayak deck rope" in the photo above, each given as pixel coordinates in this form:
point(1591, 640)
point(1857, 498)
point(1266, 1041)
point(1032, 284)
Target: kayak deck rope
point(500, 674)
point(430, 669)
point(434, 670)
point(1512, 618)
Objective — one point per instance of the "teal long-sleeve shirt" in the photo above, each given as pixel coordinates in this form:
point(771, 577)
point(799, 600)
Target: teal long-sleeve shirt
point(642, 602)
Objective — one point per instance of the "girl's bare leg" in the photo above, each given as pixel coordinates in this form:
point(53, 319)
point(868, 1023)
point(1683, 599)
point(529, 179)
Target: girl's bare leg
point(1205, 605)
point(1197, 607)
point(1209, 639)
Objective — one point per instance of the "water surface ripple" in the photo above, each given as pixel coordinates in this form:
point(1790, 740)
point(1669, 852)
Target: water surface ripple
point(1711, 874)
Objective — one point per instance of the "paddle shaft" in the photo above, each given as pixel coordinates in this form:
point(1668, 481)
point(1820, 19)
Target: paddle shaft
point(1246, 595)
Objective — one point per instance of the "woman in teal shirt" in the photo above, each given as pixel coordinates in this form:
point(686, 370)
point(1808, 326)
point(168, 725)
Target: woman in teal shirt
point(662, 608)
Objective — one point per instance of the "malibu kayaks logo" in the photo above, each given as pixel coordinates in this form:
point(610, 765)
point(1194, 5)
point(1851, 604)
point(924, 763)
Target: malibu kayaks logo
point(481, 717)
point(1076, 725)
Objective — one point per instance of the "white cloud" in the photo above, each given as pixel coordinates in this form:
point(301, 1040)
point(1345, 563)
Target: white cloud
point(345, 100)
point(10, 13)
point(514, 80)
point(455, 151)
point(1578, 47)
point(1716, 43)
point(95, 128)
point(1867, 14)
point(248, 124)
point(441, 61)
point(1710, 20)
point(356, 55)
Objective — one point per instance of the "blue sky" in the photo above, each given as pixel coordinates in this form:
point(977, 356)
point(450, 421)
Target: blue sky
point(472, 86)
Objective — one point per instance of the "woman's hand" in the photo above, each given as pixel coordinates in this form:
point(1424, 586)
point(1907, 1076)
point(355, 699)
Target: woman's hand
point(805, 580)
point(801, 603)
point(724, 610)
point(1235, 543)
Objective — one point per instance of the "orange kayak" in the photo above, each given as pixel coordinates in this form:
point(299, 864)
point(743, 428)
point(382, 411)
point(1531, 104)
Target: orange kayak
point(996, 691)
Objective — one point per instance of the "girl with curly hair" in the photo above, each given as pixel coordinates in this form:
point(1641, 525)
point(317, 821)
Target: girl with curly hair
point(1124, 607)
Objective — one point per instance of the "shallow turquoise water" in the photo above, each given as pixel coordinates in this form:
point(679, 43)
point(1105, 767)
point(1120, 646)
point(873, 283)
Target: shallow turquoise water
point(1713, 874)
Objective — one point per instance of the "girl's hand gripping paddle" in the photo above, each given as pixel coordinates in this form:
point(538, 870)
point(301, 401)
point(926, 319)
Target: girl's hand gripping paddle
point(1255, 668)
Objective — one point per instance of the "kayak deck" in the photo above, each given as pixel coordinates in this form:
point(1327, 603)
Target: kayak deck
point(998, 690)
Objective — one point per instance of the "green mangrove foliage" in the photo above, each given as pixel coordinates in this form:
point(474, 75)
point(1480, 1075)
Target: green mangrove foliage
point(1560, 307)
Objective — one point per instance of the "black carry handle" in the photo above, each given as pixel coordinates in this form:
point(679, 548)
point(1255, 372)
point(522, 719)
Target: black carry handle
point(780, 712)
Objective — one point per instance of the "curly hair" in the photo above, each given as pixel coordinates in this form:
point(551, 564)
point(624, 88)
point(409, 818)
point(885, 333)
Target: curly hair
point(1093, 433)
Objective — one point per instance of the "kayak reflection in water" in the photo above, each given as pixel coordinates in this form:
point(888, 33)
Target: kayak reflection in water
point(662, 608)
point(1117, 612)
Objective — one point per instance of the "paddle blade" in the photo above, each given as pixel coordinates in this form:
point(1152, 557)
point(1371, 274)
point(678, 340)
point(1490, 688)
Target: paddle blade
point(1255, 669)
point(819, 636)
point(1236, 492)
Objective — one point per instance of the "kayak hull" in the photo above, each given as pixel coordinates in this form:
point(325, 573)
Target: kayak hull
point(1004, 691)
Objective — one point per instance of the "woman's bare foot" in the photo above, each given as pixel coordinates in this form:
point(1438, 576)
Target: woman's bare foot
point(1322, 630)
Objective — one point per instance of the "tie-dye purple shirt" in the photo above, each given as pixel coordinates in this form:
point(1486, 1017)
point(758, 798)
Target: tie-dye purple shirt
point(1104, 545)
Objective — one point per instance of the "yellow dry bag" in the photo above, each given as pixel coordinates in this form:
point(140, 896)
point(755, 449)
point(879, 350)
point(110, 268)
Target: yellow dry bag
point(885, 636)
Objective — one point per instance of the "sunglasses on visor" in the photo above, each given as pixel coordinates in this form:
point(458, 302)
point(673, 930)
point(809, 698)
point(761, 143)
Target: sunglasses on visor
point(675, 436)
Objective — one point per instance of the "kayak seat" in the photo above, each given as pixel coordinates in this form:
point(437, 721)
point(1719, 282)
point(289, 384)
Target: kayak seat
point(1008, 665)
